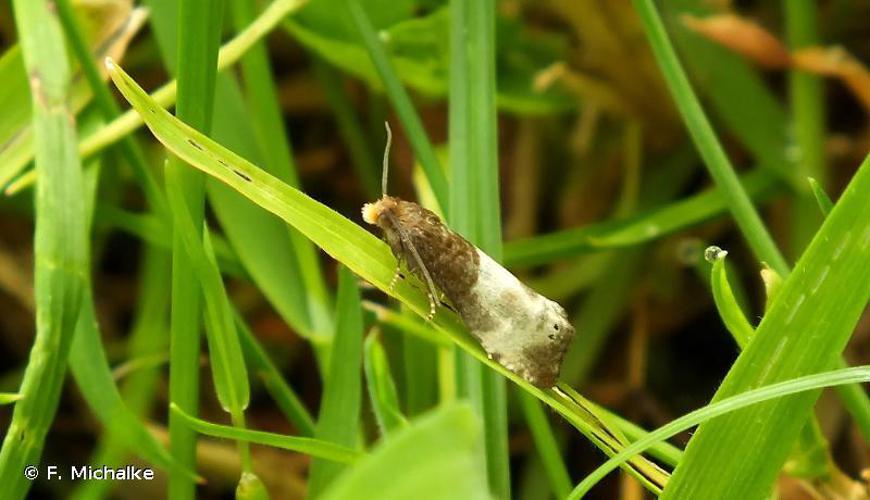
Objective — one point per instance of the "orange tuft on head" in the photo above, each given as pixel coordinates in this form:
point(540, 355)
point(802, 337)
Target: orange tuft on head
point(371, 212)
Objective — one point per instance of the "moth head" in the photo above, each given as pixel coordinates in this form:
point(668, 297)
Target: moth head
point(372, 213)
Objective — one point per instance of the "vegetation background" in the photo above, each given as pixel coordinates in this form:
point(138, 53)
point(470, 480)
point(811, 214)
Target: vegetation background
point(562, 137)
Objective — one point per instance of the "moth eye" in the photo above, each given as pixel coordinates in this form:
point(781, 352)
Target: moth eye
point(556, 326)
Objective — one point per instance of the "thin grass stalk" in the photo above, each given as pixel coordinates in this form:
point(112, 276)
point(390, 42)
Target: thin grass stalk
point(129, 148)
point(808, 113)
point(148, 338)
point(198, 36)
point(274, 142)
point(717, 163)
point(475, 208)
point(60, 245)
point(166, 95)
point(401, 102)
point(739, 203)
point(349, 128)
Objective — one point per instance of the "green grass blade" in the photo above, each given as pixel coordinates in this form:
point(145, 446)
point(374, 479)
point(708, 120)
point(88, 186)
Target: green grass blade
point(132, 153)
point(261, 366)
point(60, 246)
point(197, 44)
point(315, 447)
point(166, 95)
point(272, 138)
point(94, 378)
point(822, 198)
point(9, 397)
point(105, 33)
point(854, 398)
point(407, 323)
point(339, 418)
point(349, 128)
point(548, 448)
point(647, 225)
point(702, 133)
point(823, 298)
point(401, 101)
point(807, 383)
point(808, 110)
point(149, 339)
point(810, 460)
point(283, 265)
point(726, 303)
point(359, 250)
point(435, 457)
point(382, 388)
point(758, 119)
point(87, 357)
point(474, 209)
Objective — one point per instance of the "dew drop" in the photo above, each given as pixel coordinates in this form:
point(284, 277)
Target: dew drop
point(714, 253)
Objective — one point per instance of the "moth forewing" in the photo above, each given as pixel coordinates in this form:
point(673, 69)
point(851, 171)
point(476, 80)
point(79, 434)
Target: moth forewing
point(529, 334)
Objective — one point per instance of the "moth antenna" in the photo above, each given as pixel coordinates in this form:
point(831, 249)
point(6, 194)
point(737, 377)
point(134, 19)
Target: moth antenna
point(386, 166)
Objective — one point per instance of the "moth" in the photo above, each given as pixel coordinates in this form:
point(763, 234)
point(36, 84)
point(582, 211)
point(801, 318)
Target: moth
point(522, 330)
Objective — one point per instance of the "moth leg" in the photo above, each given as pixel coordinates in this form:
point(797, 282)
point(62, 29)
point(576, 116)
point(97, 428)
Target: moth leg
point(432, 291)
point(396, 276)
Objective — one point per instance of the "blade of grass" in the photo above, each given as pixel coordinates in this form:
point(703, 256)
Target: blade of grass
point(382, 388)
point(667, 453)
point(149, 337)
point(401, 102)
point(198, 37)
point(60, 244)
point(811, 459)
point(130, 150)
point(317, 448)
point(268, 123)
point(166, 95)
point(757, 119)
point(339, 418)
point(853, 396)
point(361, 251)
point(87, 358)
point(274, 257)
point(474, 209)
point(261, 366)
point(646, 225)
point(109, 31)
point(548, 448)
point(808, 110)
point(349, 128)
point(9, 397)
point(704, 137)
point(822, 199)
point(852, 375)
point(726, 303)
point(747, 219)
point(822, 299)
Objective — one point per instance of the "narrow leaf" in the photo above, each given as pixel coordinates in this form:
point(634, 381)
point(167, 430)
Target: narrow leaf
point(339, 417)
point(314, 447)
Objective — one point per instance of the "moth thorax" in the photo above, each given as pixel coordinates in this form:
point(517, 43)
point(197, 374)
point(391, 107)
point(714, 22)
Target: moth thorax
point(371, 212)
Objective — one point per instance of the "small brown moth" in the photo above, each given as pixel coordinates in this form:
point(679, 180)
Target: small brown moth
point(519, 328)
